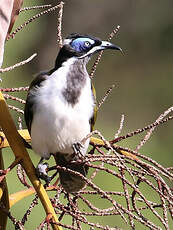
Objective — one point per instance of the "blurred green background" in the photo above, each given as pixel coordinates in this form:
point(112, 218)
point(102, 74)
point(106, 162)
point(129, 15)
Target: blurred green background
point(143, 75)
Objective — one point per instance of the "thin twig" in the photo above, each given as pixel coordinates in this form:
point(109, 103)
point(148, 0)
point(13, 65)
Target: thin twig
point(7, 96)
point(22, 176)
point(148, 135)
point(28, 212)
point(31, 20)
point(113, 33)
point(19, 89)
point(59, 27)
point(138, 131)
point(94, 67)
point(127, 197)
point(105, 96)
point(34, 7)
point(18, 64)
point(15, 109)
point(120, 127)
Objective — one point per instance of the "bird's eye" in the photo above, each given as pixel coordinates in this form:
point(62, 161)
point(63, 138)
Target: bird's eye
point(87, 44)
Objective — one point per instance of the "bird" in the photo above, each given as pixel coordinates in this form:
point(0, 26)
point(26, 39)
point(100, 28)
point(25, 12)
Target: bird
point(61, 108)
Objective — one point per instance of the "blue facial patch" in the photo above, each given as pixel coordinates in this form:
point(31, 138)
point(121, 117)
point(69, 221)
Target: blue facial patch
point(82, 44)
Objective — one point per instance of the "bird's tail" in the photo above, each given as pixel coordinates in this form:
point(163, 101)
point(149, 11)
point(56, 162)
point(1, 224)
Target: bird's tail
point(71, 183)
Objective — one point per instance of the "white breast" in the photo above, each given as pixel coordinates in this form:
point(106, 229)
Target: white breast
point(56, 124)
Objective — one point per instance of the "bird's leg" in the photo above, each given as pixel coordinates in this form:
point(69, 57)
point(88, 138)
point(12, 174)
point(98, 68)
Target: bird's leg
point(77, 149)
point(42, 169)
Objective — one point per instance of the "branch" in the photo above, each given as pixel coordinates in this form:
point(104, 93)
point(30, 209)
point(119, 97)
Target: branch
point(18, 64)
point(31, 20)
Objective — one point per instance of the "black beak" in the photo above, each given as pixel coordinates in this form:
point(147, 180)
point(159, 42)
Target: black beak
point(109, 45)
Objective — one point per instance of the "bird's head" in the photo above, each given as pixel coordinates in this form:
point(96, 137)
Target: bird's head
point(82, 46)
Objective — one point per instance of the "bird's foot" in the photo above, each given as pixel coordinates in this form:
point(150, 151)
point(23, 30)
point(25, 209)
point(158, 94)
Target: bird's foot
point(77, 149)
point(42, 170)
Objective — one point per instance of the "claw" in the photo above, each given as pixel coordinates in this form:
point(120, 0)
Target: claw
point(77, 148)
point(41, 171)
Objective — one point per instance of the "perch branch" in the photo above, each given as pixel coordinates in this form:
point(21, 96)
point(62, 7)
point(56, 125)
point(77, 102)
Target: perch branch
point(20, 152)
